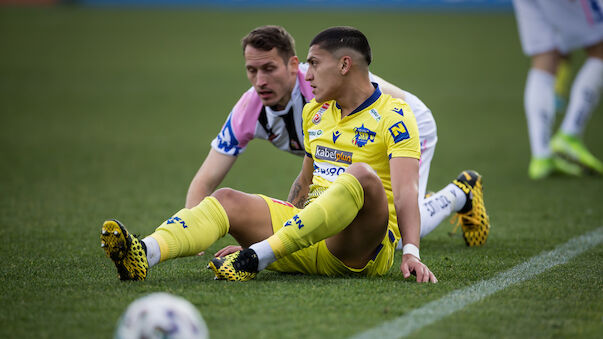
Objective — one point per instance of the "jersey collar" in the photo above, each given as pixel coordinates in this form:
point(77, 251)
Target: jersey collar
point(376, 94)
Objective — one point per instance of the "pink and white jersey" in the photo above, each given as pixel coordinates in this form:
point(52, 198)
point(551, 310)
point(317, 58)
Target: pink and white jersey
point(250, 119)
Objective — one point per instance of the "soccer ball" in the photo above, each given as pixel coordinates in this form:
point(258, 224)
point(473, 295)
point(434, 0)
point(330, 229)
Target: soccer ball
point(161, 315)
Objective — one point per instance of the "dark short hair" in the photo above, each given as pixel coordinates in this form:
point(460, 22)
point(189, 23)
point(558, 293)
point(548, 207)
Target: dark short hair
point(268, 37)
point(335, 38)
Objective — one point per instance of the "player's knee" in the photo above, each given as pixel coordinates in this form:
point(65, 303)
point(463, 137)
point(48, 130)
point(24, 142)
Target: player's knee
point(227, 197)
point(366, 176)
point(547, 61)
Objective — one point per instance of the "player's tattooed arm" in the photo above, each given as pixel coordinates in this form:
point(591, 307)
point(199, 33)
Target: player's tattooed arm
point(296, 197)
point(301, 186)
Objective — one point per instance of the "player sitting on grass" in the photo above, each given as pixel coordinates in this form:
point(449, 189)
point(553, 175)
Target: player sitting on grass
point(272, 110)
point(360, 174)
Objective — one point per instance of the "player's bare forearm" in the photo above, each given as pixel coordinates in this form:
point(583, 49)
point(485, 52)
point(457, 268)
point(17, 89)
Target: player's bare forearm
point(301, 186)
point(405, 183)
point(196, 192)
point(405, 186)
point(208, 177)
point(409, 223)
point(409, 220)
point(298, 194)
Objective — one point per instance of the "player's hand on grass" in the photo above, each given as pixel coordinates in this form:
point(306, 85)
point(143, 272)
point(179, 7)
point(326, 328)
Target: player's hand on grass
point(228, 250)
point(412, 265)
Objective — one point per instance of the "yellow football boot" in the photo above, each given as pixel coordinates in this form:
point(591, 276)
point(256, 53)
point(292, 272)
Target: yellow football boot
point(125, 250)
point(472, 218)
point(238, 266)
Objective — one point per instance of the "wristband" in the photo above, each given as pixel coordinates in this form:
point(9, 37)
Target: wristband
point(411, 249)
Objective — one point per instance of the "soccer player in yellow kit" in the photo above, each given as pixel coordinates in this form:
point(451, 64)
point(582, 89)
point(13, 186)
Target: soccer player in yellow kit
point(360, 177)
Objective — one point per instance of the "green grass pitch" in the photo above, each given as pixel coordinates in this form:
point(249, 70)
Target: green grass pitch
point(109, 113)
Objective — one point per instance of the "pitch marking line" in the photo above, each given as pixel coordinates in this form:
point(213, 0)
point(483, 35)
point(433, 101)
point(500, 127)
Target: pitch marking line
point(457, 300)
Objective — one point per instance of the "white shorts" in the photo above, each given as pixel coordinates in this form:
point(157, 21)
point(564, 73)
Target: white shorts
point(563, 25)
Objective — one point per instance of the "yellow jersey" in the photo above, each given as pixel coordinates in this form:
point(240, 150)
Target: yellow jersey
point(380, 128)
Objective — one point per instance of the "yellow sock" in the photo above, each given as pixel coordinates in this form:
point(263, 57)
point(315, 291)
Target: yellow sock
point(191, 231)
point(326, 216)
point(563, 79)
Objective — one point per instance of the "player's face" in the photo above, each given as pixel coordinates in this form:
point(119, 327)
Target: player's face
point(270, 76)
point(323, 73)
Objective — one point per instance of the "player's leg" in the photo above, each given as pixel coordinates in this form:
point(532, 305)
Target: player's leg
point(584, 98)
point(464, 196)
point(472, 216)
point(563, 82)
point(539, 105)
point(188, 232)
point(248, 215)
point(244, 216)
point(356, 194)
point(357, 242)
point(540, 41)
point(355, 205)
point(438, 206)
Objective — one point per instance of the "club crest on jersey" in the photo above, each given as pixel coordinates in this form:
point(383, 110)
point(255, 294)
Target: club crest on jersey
point(363, 136)
point(318, 116)
point(399, 132)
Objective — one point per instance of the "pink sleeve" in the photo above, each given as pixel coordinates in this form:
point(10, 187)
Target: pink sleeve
point(304, 86)
point(245, 116)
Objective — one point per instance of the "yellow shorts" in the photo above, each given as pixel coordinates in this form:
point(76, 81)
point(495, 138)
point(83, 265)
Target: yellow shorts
point(317, 259)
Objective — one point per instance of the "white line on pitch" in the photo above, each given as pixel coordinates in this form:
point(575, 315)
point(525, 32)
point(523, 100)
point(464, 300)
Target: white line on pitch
point(457, 300)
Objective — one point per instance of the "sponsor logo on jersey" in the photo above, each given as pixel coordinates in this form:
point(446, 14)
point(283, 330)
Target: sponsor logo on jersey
point(327, 171)
point(399, 110)
point(226, 140)
point(318, 116)
point(326, 153)
point(336, 135)
point(375, 114)
point(399, 132)
point(363, 136)
point(314, 133)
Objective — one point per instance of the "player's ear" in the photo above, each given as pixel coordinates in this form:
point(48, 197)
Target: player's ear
point(293, 63)
point(345, 63)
